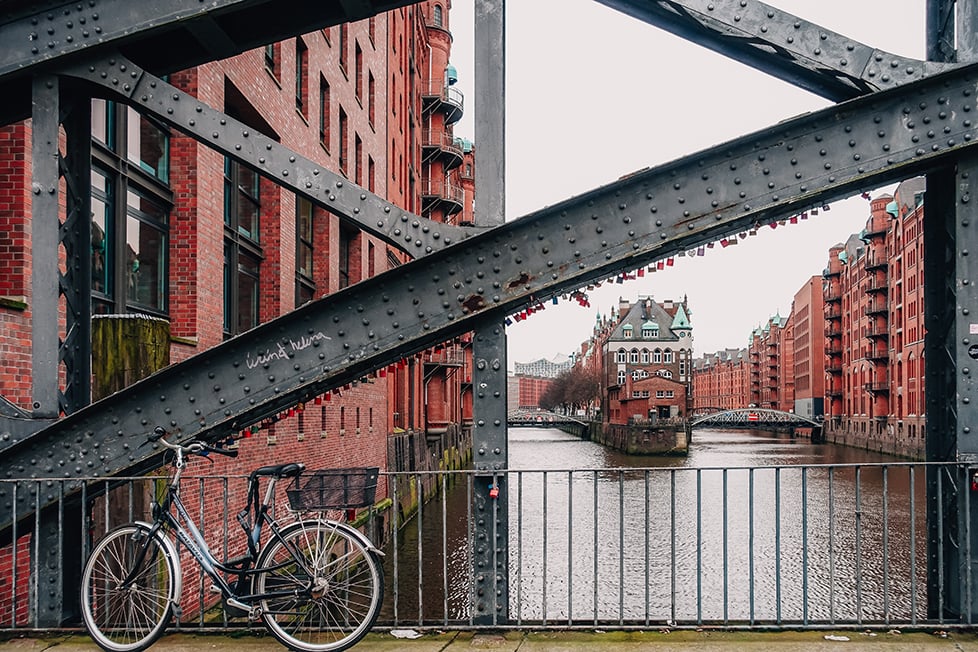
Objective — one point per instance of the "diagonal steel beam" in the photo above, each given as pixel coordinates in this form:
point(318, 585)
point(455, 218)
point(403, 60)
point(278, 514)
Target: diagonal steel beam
point(644, 217)
point(121, 79)
point(164, 35)
point(781, 44)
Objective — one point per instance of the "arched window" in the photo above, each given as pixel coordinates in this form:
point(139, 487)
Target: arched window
point(621, 356)
point(645, 356)
point(633, 357)
point(667, 358)
point(436, 16)
point(621, 377)
point(665, 373)
point(657, 356)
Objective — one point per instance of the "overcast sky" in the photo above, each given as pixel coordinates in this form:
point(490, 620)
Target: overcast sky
point(593, 94)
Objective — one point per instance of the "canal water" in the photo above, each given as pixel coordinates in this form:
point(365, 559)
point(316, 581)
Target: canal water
point(751, 526)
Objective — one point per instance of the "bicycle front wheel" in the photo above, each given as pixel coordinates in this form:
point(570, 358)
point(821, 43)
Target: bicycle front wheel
point(128, 589)
point(322, 586)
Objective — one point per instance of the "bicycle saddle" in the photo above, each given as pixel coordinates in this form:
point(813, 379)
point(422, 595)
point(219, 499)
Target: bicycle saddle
point(287, 470)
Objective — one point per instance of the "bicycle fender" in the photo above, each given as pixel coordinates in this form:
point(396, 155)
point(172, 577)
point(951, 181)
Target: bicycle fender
point(357, 534)
point(171, 551)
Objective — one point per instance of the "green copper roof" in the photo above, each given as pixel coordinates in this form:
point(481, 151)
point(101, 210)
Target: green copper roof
point(680, 320)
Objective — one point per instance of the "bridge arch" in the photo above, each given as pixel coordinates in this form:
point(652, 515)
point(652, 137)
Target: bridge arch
point(749, 416)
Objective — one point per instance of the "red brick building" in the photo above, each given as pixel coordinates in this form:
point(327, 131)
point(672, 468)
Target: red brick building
point(875, 329)
point(808, 317)
point(181, 233)
point(647, 355)
point(721, 381)
point(852, 350)
point(529, 390)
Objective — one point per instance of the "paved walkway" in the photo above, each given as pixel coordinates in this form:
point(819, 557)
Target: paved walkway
point(701, 641)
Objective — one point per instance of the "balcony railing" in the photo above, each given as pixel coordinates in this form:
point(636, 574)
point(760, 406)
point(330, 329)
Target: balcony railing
point(879, 307)
point(447, 99)
point(442, 143)
point(433, 192)
point(879, 387)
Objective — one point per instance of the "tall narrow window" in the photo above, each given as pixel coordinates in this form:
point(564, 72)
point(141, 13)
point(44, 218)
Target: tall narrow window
point(341, 42)
point(324, 112)
point(371, 99)
point(129, 211)
point(436, 17)
point(358, 71)
point(272, 59)
point(358, 159)
point(301, 77)
point(372, 29)
point(371, 170)
point(145, 261)
point(305, 287)
point(343, 256)
point(371, 267)
point(343, 146)
point(242, 253)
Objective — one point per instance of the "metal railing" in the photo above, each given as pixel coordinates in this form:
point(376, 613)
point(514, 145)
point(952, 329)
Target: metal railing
point(787, 546)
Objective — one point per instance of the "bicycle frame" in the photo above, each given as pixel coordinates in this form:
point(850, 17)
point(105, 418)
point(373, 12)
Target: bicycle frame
point(186, 531)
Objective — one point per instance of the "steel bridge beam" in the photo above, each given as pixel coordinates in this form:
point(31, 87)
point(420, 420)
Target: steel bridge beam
point(781, 44)
point(644, 217)
point(119, 78)
point(163, 36)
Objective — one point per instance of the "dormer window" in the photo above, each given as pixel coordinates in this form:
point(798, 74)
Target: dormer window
point(626, 331)
point(650, 329)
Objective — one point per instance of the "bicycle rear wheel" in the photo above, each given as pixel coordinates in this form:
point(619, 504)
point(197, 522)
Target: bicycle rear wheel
point(325, 601)
point(127, 616)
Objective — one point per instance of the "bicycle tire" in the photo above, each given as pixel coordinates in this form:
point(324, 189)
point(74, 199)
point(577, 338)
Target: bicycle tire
point(132, 618)
point(331, 611)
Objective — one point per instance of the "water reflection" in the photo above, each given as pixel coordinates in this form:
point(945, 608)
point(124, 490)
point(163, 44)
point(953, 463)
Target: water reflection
point(720, 535)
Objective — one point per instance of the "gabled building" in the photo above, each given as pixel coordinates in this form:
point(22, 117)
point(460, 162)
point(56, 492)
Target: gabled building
point(647, 353)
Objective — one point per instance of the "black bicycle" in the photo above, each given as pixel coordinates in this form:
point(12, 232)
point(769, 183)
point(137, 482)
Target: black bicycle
point(317, 584)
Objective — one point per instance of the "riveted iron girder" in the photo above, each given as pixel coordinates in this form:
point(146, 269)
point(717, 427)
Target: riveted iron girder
point(163, 36)
point(152, 96)
point(624, 225)
point(781, 44)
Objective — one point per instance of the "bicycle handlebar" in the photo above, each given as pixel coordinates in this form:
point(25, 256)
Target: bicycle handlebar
point(193, 447)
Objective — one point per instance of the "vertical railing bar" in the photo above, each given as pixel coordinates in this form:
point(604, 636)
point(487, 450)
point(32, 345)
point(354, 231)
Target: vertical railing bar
point(621, 547)
point(201, 577)
point(225, 534)
point(470, 527)
point(544, 601)
point(832, 545)
point(859, 550)
point(15, 556)
point(913, 547)
point(105, 509)
point(444, 546)
point(83, 523)
point(594, 569)
point(804, 545)
point(886, 546)
point(726, 614)
point(570, 548)
point(964, 483)
point(494, 547)
point(132, 501)
point(940, 544)
point(647, 550)
point(699, 546)
point(61, 536)
point(519, 549)
point(672, 537)
point(35, 563)
point(777, 542)
point(395, 546)
point(420, 516)
point(750, 541)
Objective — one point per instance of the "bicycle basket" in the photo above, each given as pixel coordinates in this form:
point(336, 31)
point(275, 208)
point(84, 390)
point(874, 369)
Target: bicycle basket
point(333, 489)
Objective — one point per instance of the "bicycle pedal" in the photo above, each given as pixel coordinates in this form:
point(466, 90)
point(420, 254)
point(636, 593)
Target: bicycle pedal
point(215, 589)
